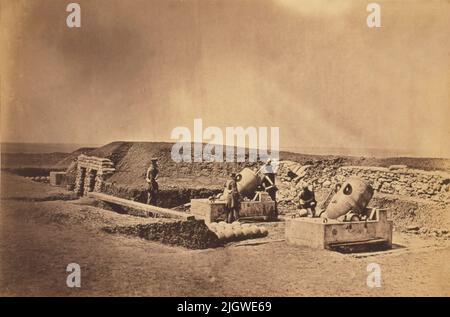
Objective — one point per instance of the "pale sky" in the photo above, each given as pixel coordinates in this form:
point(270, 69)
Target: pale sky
point(137, 69)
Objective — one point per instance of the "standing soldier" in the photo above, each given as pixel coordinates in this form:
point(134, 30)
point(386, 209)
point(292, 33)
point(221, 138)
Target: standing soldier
point(232, 205)
point(151, 177)
point(268, 182)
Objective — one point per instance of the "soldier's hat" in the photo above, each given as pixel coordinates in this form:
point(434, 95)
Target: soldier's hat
point(154, 159)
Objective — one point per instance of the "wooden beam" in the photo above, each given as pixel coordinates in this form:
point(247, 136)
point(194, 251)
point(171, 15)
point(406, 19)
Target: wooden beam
point(140, 206)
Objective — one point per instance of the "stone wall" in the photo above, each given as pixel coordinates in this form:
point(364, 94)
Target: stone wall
point(404, 181)
point(398, 180)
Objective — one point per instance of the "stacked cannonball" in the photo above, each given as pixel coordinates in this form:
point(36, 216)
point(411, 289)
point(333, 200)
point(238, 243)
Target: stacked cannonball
point(227, 232)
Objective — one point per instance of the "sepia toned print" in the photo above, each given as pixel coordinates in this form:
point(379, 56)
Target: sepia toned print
point(225, 148)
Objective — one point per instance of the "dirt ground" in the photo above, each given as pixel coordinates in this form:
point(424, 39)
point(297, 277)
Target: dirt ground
point(41, 235)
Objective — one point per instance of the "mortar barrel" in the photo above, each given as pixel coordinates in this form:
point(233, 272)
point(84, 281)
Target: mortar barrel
point(354, 194)
point(247, 182)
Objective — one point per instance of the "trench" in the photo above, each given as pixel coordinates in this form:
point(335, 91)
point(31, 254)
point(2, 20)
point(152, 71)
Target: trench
point(167, 198)
point(190, 234)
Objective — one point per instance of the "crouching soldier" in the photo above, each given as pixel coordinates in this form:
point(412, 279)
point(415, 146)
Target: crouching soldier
point(233, 203)
point(307, 201)
point(153, 187)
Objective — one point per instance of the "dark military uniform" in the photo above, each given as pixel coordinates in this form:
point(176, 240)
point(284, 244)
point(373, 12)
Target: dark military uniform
point(153, 188)
point(152, 172)
point(152, 192)
point(308, 200)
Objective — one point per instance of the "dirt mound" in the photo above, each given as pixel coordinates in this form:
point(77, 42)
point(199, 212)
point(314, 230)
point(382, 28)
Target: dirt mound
point(189, 234)
point(65, 162)
point(132, 159)
point(131, 169)
point(408, 212)
point(115, 151)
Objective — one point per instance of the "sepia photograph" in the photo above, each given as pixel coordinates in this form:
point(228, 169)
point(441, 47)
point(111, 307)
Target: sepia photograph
point(225, 149)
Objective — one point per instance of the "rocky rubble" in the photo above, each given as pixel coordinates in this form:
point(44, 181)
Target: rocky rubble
point(394, 180)
point(292, 175)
